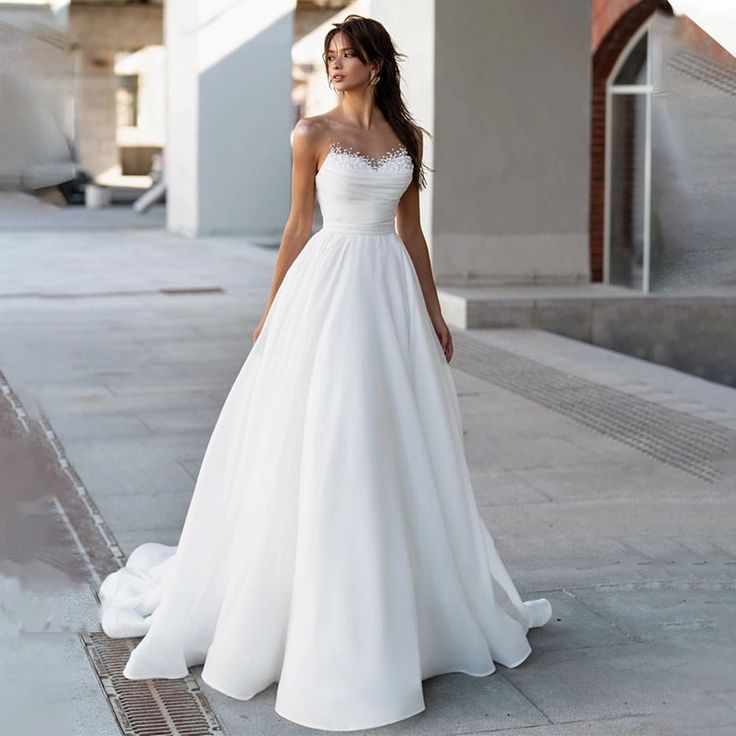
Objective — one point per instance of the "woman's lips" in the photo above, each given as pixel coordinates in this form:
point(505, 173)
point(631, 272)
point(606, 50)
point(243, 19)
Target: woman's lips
point(338, 77)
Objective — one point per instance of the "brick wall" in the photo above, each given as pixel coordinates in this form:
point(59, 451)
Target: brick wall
point(614, 23)
point(700, 42)
point(606, 13)
point(617, 31)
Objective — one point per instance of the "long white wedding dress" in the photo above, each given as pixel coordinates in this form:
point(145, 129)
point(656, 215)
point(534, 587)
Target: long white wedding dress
point(333, 543)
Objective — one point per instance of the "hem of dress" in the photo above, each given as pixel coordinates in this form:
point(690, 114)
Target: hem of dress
point(516, 664)
point(378, 724)
point(229, 694)
point(460, 672)
point(364, 726)
point(155, 677)
point(312, 724)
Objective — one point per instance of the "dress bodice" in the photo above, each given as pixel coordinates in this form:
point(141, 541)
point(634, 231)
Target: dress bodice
point(359, 193)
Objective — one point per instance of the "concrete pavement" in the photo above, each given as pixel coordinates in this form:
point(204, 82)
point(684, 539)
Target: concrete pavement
point(127, 339)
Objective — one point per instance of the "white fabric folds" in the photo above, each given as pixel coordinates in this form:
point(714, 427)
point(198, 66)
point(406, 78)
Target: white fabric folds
point(333, 543)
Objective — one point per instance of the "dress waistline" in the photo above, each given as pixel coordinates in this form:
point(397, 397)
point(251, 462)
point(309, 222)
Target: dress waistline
point(370, 228)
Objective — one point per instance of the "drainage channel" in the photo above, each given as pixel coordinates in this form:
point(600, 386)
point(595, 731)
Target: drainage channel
point(678, 439)
point(150, 707)
point(156, 707)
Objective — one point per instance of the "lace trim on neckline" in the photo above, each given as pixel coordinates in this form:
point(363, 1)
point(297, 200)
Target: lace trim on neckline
point(393, 158)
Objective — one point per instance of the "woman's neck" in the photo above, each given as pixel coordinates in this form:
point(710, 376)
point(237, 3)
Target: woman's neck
point(358, 109)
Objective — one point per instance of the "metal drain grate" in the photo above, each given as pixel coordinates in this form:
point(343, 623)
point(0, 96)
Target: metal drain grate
point(676, 438)
point(141, 707)
point(148, 707)
point(705, 70)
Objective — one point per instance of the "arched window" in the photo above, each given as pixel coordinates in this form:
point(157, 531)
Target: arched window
point(628, 175)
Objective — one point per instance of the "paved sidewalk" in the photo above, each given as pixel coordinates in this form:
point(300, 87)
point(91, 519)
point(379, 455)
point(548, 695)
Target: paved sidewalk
point(605, 480)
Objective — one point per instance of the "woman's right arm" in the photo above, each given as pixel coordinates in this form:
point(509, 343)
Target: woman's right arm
point(305, 139)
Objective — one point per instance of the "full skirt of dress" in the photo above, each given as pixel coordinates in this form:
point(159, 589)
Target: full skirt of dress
point(333, 543)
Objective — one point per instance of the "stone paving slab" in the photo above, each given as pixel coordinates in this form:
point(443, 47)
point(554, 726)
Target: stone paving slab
point(635, 376)
point(627, 679)
point(46, 683)
point(22, 212)
point(637, 556)
point(454, 704)
point(129, 466)
point(48, 687)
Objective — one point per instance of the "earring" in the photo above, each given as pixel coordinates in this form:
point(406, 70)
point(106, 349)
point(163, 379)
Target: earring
point(375, 80)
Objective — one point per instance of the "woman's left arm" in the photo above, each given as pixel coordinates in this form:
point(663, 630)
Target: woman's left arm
point(410, 232)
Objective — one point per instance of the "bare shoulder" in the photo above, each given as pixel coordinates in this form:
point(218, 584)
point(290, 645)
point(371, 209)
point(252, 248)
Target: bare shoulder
point(306, 135)
point(310, 131)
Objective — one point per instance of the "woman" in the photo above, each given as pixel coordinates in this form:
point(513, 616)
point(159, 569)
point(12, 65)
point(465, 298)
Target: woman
point(333, 543)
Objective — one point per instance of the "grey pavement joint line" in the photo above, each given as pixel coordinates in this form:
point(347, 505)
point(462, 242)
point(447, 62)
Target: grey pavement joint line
point(91, 569)
point(94, 514)
point(557, 724)
point(528, 699)
point(178, 706)
point(165, 291)
point(676, 438)
point(14, 402)
point(628, 638)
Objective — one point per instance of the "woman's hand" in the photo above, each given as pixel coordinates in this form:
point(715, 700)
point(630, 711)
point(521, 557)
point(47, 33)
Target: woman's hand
point(259, 327)
point(444, 336)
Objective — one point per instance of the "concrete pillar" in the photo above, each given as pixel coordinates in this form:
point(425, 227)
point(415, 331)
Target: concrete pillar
point(512, 120)
point(97, 32)
point(229, 116)
point(504, 87)
point(95, 115)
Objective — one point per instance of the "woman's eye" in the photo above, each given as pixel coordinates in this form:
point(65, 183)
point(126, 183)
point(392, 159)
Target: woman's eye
point(331, 57)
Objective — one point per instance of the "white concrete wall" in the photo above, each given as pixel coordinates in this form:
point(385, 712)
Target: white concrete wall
point(149, 64)
point(96, 111)
point(512, 120)
point(504, 88)
point(229, 116)
point(182, 117)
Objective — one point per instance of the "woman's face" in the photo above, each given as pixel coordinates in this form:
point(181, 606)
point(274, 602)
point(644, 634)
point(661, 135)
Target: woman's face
point(345, 69)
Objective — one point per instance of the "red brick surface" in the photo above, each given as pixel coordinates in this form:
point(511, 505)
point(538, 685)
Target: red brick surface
point(614, 22)
point(619, 30)
point(606, 14)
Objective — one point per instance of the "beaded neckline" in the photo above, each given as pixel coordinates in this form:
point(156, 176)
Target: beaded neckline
point(356, 159)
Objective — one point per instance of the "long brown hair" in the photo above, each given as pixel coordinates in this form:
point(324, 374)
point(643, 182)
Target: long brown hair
point(372, 43)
